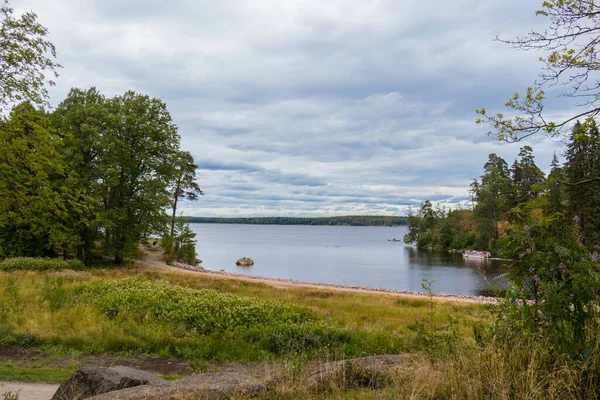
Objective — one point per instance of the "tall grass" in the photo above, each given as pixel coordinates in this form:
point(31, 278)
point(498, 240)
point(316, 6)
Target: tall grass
point(147, 316)
point(198, 318)
point(39, 264)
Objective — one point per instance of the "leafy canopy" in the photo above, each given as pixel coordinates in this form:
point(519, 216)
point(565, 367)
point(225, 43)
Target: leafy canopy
point(26, 58)
point(571, 43)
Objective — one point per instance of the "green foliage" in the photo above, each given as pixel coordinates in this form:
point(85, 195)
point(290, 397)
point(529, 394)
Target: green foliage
point(39, 264)
point(183, 247)
point(275, 327)
point(185, 187)
point(197, 311)
point(139, 146)
point(492, 196)
point(582, 171)
point(83, 113)
point(106, 172)
point(26, 56)
point(571, 62)
point(424, 226)
point(555, 289)
point(34, 218)
point(465, 241)
point(437, 229)
point(438, 340)
point(10, 396)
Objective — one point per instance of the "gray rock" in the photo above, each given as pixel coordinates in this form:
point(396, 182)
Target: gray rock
point(222, 385)
point(374, 372)
point(244, 262)
point(91, 381)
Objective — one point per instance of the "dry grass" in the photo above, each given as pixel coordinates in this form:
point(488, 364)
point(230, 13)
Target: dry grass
point(494, 371)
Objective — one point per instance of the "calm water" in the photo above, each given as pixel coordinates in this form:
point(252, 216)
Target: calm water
point(340, 255)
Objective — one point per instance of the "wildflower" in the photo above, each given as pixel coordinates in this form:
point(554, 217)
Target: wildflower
point(531, 269)
point(593, 256)
point(519, 303)
point(597, 246)
point(536, 278)
point(526, 229)
point(576, 220)
point(562, 266)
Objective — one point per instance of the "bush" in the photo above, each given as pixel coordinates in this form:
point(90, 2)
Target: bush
point(276, 327)
point(465, 241)
point(555, 287)
point(202, 311)
point(39, 264)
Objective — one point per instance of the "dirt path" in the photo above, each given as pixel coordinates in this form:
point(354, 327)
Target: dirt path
point(153, 260)
point(28, 391)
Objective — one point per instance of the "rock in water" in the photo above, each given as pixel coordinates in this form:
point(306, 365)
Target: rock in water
point(222, 385)
point(244, 262)
point(91, 381)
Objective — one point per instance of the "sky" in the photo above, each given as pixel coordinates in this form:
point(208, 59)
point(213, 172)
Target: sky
point(311, 107)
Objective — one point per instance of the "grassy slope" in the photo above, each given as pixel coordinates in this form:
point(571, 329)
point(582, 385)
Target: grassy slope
point(378, 322)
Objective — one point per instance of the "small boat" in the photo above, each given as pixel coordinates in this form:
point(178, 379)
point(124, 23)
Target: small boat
point(476, 254)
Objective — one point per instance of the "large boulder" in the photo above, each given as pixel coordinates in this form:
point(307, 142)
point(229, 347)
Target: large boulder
point(244, 262)
point(91, 381)
point(222, 385)
point(374, 372)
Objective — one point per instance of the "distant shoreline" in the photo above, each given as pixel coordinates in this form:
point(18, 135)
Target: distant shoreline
point(349, 220)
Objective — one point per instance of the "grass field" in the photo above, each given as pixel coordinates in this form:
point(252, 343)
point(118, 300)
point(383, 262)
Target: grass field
point(275, 334)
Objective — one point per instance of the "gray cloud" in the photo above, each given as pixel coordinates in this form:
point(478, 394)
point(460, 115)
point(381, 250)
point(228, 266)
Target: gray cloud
point(305, 107)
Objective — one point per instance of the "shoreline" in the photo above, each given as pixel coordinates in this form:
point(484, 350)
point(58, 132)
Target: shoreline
point(353, 288)
point(153, 260)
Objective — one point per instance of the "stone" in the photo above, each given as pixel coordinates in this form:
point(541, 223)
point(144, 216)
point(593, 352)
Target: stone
point(374, 372)
point(244, 262)
point(91, 381)
point(222, 385)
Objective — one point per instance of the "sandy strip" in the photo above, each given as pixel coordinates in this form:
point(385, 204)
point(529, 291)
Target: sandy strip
point(153, 261)
point(28, 391)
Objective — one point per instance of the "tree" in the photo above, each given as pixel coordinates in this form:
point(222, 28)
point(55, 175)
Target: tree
point(35, 217)
point(26, 57)
point(572, 63)
point(184, 188)
point(424, 226)
point(492, 196)
point(140, 144)
point(84, 115)
point(527, 178)
point(583, 165)
point(181, 242)
point(555, 191)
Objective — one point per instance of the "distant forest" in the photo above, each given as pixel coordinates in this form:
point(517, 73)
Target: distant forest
point(351, 220)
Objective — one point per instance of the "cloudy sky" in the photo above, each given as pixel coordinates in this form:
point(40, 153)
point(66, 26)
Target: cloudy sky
point(310, 107)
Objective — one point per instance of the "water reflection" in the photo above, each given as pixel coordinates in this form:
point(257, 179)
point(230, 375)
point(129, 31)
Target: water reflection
point(491, 272)
point(360, 256)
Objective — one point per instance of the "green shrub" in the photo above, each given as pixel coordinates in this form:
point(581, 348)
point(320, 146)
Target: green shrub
point(465, 241)
point(555, 287)
point(39, 264)
point(276, 327)
point(202, 311)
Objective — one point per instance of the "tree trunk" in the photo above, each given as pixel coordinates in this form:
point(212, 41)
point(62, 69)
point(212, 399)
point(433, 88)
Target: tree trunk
point(173, 227)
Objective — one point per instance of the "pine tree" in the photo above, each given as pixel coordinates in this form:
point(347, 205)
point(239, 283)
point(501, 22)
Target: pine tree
point(582, 170)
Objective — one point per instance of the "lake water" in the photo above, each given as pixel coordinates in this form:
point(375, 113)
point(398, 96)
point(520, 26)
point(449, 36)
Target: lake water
point(344, 255)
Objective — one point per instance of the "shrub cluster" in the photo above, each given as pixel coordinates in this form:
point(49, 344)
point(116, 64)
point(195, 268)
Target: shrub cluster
point(39, 264)
point(555, 287)
point(202, 311)
point(276, 327)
